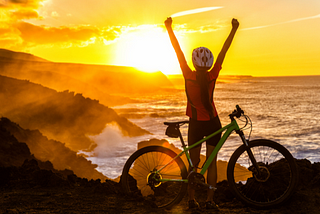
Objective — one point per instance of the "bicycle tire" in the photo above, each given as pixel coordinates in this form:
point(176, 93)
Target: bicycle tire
point(138, 170)
point(272, 187)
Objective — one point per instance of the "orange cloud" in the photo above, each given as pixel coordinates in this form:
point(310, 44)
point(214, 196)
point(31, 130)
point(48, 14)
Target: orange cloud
point(65, 36)
point(24, 14)
point(24, 3)
point(12, 10)
point(17, 34)
point(9, 37)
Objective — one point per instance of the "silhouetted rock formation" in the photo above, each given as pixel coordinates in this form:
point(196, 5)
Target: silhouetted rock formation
point(94, 81)
point(13, 55)
point(64, 116)
point(12, 152)
point(52, 154)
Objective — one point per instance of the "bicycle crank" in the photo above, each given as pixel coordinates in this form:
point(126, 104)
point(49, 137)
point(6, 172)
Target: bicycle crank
point(197, 180)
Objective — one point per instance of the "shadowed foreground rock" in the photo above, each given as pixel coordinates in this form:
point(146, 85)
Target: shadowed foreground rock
point(28, 185)
point(30, 189)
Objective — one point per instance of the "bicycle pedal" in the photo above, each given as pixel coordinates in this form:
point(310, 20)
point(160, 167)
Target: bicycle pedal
point(212, 188)
point(208, 186)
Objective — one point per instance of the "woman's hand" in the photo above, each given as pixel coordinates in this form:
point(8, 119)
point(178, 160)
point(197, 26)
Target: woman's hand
point(235, 23)
point(168, 22)
point(227, 43)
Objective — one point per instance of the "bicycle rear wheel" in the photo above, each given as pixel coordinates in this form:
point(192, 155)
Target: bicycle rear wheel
point(277, 180)
point(139, 176)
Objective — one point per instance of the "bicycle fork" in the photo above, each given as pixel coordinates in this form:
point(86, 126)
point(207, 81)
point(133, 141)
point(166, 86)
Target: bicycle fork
point(250, 154)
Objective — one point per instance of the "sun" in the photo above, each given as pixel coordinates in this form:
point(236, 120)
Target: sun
point(147, 48)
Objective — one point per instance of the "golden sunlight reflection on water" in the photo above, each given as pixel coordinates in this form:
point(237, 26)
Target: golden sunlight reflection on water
point(284, 109)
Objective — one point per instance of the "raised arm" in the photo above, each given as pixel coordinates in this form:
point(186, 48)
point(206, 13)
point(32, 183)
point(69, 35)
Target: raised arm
point(227, 43)
point(175, 44)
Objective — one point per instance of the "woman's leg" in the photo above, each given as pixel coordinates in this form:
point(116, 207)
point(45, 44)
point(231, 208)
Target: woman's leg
point(214, 126)
point(211, 173)
point(195, 158)
point(194, 135)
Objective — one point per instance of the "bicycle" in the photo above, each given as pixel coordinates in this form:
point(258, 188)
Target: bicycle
point(261, 173)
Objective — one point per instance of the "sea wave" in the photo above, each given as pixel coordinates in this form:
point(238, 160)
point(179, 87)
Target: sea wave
point(281, 109)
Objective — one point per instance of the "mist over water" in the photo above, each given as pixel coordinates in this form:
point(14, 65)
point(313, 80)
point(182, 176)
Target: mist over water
point(283, 109)
point(112, 150)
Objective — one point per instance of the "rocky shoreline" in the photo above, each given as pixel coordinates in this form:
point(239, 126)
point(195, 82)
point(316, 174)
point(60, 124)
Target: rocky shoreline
point(30, 189)
point(29, 185)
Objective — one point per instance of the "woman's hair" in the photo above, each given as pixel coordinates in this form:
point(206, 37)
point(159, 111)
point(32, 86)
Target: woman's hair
point(204, 88)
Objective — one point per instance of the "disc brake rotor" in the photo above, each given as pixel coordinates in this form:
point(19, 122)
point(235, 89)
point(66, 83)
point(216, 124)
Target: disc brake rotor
point(153, 179)
point(264, 174)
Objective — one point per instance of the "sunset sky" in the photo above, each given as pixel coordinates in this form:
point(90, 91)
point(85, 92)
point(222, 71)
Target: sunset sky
point(275, 37)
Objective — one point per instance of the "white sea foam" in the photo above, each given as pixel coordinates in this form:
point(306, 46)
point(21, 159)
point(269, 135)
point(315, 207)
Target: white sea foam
point(112, 150)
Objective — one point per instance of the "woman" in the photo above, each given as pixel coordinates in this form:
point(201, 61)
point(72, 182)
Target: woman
point(201, 110)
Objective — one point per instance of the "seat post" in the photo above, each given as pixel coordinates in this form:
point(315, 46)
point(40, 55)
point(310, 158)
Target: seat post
point(181, 139)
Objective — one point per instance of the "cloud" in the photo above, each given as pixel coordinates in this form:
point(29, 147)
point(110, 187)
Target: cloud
point(24, 14)
point(13, 10)
point(64, 36)
point(3, 3)
point(9, 37)
point(185, 29)
point(25, 3)
point(55, 14)
point(17, 32)
point(210, 28)
point(286, 22)
point(41, 35)
point(194, 11)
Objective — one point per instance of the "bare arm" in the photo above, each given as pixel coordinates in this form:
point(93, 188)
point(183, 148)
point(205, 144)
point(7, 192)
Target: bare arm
point(175, 44)
point(227, 43)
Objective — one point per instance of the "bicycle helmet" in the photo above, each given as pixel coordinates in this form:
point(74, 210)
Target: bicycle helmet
point(202, 58)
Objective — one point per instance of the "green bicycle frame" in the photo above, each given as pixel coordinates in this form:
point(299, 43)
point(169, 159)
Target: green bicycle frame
point(233, 126)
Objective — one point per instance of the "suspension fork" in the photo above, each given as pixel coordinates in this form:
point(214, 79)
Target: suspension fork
point(251, 156)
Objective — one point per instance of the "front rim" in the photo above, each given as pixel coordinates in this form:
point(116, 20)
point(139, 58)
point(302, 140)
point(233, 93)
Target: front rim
point(276, 180)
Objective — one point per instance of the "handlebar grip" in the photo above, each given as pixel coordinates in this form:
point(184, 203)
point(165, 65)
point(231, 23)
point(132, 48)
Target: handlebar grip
point(236, 113)
point(240, 111)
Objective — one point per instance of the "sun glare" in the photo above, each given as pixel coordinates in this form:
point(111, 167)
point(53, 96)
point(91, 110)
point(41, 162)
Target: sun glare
point(148, 48)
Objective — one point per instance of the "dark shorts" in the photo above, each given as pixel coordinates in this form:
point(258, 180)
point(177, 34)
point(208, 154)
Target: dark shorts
point(199, 129)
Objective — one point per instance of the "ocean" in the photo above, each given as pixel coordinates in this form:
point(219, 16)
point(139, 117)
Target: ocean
point(283, 109)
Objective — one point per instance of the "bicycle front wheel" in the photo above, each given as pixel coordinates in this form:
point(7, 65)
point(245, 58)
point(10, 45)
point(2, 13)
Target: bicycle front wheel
point(164, 188)
point(277, 178)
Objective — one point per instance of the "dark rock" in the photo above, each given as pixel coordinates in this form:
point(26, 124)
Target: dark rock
point(12, 152)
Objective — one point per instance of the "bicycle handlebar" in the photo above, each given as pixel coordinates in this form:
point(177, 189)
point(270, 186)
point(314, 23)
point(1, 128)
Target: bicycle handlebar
point(236, 113)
